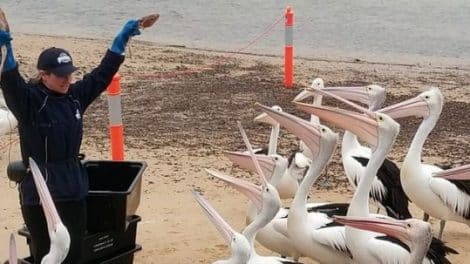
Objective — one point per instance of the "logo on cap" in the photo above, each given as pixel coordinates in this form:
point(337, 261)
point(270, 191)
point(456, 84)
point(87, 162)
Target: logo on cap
point(63, 58)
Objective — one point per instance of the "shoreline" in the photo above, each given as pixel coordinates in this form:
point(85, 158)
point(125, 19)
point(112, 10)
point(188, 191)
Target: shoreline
point(338, 57)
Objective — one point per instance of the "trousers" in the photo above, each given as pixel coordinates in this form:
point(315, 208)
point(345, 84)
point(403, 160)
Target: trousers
point(74, 217)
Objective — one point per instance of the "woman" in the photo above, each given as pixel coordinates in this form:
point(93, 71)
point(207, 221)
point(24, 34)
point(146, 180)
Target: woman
point(49, 110)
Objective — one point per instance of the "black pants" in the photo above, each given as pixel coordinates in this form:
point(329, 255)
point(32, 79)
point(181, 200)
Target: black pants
point(73, 215)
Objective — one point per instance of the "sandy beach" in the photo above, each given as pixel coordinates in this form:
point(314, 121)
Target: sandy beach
point(180, 108)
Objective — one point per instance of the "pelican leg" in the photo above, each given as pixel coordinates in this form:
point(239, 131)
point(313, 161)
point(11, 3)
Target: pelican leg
point(441, 230)
point(425, 217)
point(378, 209)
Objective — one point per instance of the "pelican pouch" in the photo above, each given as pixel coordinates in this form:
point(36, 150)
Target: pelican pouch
point(16, 171)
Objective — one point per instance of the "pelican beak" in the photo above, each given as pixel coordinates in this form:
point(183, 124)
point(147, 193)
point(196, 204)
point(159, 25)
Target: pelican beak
point(264, 181)
point(13, 258)
point(250, 190)
point(357, 94)
point(459, 173)
point(364, 126)
point(412, 107)
point(52, 217)
point(222, 226)
point(388, 226)
point(244, 160)
point(306, 93)
point(308, 132)
point(264, 118)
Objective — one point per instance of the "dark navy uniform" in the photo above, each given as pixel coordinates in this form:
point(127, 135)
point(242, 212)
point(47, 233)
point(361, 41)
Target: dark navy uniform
point(50, 128)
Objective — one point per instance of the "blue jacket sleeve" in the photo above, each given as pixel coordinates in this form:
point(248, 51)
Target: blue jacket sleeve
point(15, 92)
point(94, 83)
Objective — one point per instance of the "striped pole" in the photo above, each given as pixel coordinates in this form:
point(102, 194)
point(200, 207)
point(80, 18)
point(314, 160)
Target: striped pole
point(289, 48)
point(116, 130)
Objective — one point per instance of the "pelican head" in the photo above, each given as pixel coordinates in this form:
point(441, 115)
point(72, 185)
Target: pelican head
point(58, 234)
point(264, 118)
point(426, 104)
point(416, 234)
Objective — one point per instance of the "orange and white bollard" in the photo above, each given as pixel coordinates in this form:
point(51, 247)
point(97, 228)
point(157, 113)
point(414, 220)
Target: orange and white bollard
point(289, 48)
point(116, 130)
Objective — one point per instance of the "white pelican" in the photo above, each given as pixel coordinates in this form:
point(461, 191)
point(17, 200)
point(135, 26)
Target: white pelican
point(315, 235)
point(239, 245)
point(380, 132)
point(386, 189)
point(414, 233)
point(269, 236)
point(297, 162)
point(437, 197)
point(58, 234)
point(274, 136)
point(271, 203)
point(7, 120)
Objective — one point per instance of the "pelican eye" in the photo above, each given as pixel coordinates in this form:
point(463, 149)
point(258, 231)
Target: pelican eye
point(369, 88)
point(381, 118)
point(427, 97)
point(408, 225)
point(323, 130)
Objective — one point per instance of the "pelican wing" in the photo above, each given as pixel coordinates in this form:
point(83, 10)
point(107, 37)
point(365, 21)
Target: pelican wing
point(333, 236)
point(386, 249)
point(453, 193)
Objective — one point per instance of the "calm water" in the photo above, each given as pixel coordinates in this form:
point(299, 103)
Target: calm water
point(399, 31)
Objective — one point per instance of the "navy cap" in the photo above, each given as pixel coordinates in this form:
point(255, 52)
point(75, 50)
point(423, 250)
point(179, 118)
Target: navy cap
point(56, 60)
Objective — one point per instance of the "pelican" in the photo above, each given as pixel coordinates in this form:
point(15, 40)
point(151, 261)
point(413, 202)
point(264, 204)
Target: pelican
point(239, 245)
point(58, 234)
point(386, 188)
point(380, 131)
point(269, 236)
point(271, 203)
point(8, 121)
point(437, 197)
point(414, 233)
point(263, 118)
point(298, 162)
point(314, 234)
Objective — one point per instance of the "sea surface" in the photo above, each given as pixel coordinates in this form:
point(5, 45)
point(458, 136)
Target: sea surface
point(418, 31)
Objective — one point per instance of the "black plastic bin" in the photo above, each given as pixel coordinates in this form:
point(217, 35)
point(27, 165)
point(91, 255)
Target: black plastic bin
point(115, 189)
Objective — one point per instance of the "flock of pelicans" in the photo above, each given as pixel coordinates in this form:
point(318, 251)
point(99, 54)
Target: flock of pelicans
point(338, 232)
point(327, 232)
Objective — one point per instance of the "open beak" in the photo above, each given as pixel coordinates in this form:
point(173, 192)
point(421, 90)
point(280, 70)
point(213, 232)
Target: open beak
point(13, 257)
point(260, 172)
point(222, 226)
point(412, 107)
point(388, 226)
point(50, 211)
point(364, 126)
point(308, 132)
point(250, 190)
point(244, 160)
point(459, 173)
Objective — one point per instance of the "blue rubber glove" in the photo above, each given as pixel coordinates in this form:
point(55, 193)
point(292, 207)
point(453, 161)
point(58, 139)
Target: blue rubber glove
point(130, 29)
point(5, 39)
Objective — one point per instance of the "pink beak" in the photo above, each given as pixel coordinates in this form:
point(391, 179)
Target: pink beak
point(222, 226)
point(50, 211)
point(357, 94)
point(459, 173)
point(13, 258)
point(244, 160)
point(250, 190)
point(391, 227)
point(412, 107)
